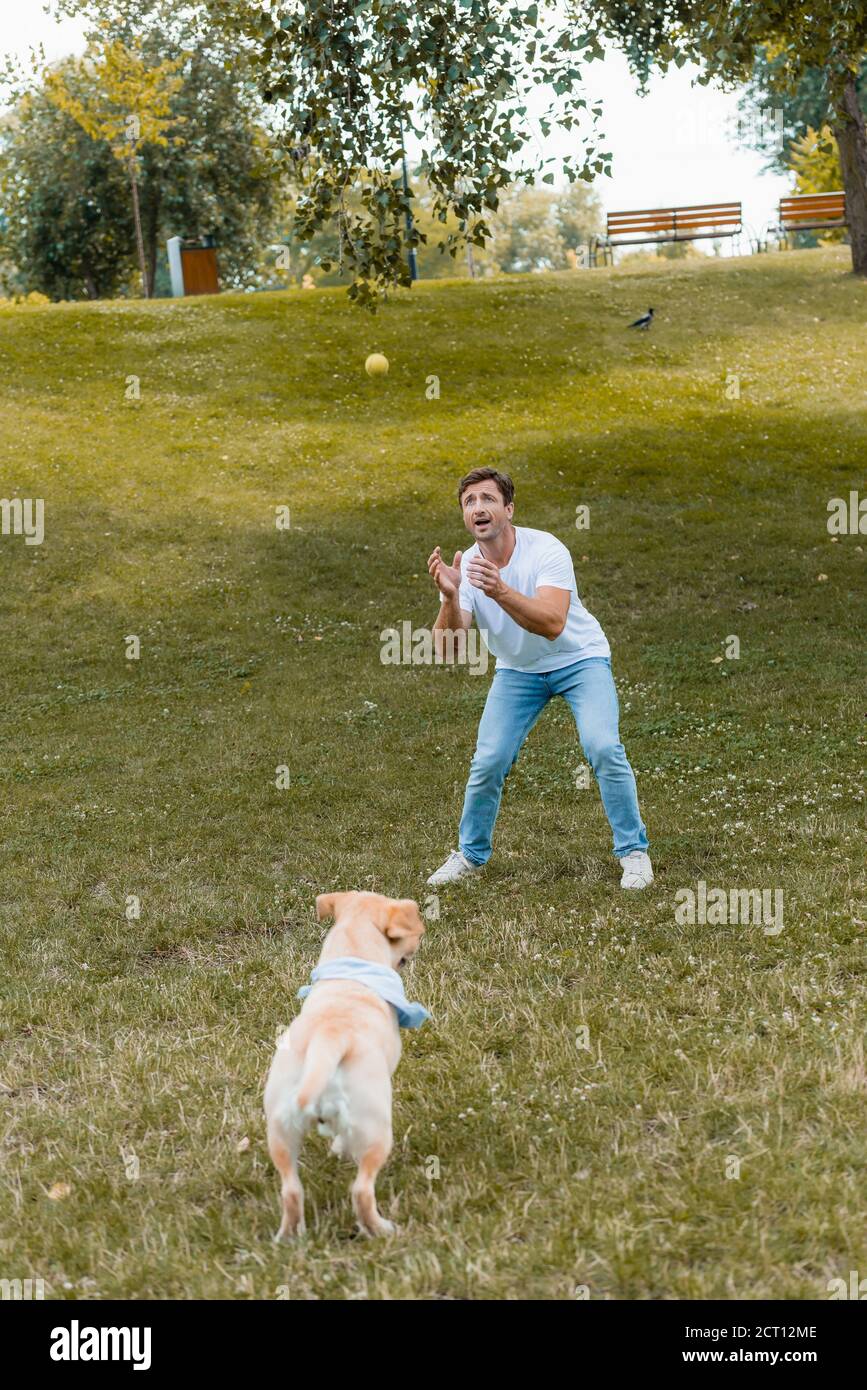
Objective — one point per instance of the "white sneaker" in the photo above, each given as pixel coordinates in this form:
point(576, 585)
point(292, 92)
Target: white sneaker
point(455, 868)
point(637, 870)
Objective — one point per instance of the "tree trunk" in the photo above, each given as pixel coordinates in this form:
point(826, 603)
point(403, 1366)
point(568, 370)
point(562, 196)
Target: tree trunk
point(136, 212)
point(149, 206)
point(153, 228)
point(851, 137)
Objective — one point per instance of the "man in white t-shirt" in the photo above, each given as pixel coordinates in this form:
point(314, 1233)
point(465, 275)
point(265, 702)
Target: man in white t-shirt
point(519, 586)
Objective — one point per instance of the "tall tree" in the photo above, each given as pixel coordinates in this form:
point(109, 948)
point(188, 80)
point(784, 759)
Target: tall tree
point(525, 234)
point(126, 104)
point(66, 229)
point(578, 215)
point(827, 36)
point(224, 179)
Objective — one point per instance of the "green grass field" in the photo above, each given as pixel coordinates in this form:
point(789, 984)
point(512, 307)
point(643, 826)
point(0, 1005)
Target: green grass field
point(133, 1052)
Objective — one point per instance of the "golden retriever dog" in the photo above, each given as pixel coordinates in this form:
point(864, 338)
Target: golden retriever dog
point(333, 1065)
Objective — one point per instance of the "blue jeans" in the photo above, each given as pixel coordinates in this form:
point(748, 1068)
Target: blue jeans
point(515, 701)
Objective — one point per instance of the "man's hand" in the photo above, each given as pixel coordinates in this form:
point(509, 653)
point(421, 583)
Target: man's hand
point(485, 575)
point(446, 577)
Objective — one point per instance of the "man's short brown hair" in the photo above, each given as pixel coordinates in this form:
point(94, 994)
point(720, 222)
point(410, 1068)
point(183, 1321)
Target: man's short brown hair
point(480, 475)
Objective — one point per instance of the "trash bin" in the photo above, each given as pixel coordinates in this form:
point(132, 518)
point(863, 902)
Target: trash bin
point(193, 265)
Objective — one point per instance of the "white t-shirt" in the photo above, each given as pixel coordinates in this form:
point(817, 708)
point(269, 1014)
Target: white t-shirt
point(538, 559)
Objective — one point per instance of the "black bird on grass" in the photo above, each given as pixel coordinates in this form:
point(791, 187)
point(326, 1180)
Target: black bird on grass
point(644, 322)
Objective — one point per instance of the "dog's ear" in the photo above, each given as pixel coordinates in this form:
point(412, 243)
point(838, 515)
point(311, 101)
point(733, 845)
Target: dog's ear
point(403, 919)
point(330, 904)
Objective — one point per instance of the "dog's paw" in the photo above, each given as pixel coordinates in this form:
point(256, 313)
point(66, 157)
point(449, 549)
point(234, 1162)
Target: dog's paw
point(382, 1228)
point(289, 1237)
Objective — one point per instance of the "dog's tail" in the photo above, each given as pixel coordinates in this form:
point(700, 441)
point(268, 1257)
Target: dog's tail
point(324, 1054)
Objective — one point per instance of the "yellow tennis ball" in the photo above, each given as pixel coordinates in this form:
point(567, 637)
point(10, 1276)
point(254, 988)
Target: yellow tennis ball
point(376, 364)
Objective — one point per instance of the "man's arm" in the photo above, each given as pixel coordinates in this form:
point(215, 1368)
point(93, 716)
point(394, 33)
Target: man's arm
point(451, 617)
point(544, 614)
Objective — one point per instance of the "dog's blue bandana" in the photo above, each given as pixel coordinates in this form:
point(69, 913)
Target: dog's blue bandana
point(380, 978)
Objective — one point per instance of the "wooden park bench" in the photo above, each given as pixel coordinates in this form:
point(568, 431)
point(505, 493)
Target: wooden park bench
point(668, 224)
point(809, 212)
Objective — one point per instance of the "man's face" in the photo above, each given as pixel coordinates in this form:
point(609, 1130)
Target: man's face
point(486, 515)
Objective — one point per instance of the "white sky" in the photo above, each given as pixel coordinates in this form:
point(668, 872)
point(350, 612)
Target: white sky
point(669, 148)
point(25, 25)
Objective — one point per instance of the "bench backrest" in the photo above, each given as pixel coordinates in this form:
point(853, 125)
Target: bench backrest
point(649, 222)
point(801, 209)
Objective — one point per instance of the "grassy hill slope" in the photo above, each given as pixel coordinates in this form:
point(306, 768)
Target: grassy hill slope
point(133, 1052)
